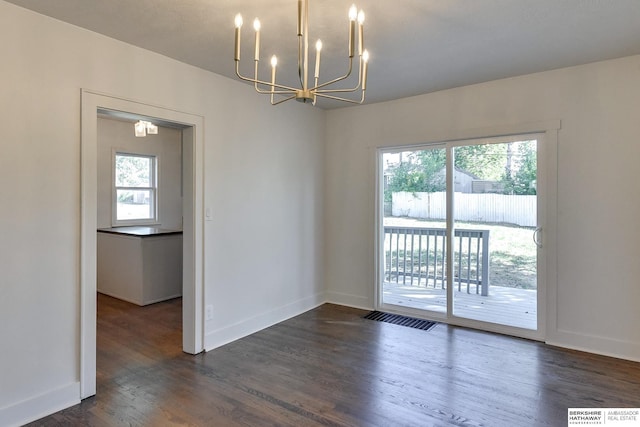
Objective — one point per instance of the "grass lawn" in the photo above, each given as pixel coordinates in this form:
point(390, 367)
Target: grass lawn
point(512, 250)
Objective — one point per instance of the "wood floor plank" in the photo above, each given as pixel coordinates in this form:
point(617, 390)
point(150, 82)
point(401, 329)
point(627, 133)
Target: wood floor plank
point(331, 367)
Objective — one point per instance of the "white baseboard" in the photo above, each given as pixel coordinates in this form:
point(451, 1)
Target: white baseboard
point(595, 344)
point(349, 300)
point(261, 321)
point(40, 406)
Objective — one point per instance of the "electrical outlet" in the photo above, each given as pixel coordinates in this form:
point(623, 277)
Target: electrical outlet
point(208, 313)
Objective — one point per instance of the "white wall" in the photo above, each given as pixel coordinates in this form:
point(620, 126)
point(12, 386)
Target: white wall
point(263, 247)
point(264, 185)
point(598, 293)
point(166, 146)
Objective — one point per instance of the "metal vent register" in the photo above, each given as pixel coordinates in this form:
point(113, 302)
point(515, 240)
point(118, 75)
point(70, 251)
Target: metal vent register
point(397, 319)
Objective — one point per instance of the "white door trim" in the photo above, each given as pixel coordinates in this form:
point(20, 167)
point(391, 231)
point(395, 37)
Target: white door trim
point(193, 288)
point(547, 220)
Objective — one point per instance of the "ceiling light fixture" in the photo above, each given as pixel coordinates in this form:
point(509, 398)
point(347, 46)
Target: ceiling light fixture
point(144, 128)
point(306, 93)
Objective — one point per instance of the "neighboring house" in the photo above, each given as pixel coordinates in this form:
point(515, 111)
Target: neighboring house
point(462, 180)
point(483, 186)
point(465, 182)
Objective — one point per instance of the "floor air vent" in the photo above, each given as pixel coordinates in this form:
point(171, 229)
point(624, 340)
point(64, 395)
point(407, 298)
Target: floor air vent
point(397, 319)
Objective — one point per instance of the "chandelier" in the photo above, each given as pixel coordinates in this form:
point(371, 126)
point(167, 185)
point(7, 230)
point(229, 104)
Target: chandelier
point(309, 93)
point(143, 128)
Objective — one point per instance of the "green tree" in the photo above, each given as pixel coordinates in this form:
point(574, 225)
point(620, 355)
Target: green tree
point(486, 161)
point(132, 170)
point(513, 164)
point(416, 171)
point(522, 178)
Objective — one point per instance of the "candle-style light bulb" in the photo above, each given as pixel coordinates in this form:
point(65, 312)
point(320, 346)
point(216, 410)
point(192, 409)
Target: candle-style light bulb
point(274, 63)
point(256, 27)
point(353, 13)
point(238, 22)
point(360, 31)
point(318, 49)
point(353, 16)
point(365, 59)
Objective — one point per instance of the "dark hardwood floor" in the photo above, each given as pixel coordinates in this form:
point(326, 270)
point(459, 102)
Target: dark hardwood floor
point(331, 367)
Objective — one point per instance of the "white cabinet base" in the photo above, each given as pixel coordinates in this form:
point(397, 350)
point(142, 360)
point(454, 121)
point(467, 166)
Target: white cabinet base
point(141, 269)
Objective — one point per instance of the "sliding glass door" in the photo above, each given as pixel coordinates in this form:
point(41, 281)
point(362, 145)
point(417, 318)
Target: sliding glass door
point(478, 197)
point(494, 222)
point(413, 223)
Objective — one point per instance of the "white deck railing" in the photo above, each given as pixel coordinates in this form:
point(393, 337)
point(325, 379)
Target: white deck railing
point(418, 255)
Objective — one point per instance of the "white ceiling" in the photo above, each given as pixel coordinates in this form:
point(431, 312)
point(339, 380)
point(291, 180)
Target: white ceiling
point(417, 46)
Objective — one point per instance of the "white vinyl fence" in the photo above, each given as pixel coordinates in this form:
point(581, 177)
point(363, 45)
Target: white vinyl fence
point(475, 207)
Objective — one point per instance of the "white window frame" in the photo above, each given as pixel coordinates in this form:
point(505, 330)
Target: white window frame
point(153, 189)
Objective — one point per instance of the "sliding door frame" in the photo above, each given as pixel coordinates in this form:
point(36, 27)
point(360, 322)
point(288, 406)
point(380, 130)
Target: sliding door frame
point(546, 133)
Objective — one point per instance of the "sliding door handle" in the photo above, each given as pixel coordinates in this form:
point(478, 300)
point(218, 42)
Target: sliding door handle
point(537, 234)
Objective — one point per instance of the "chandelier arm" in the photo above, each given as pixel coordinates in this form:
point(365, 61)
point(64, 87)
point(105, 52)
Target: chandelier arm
point(346, 90)
point(256, 82)
point(282, 100)
point(255, 76)
point(357, 87)
point(330, 82)
point(338, 98)
point(241, 77)
point(272, 91)
point(275, 92)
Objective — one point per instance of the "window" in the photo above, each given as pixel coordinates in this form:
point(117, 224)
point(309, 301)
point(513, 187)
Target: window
point(135, 189)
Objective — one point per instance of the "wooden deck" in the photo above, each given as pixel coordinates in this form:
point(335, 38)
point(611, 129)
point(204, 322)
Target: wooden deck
point(505, 306)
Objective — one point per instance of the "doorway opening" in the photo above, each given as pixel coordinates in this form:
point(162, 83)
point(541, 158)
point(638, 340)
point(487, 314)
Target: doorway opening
point(191, 126)
point(139, 240)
